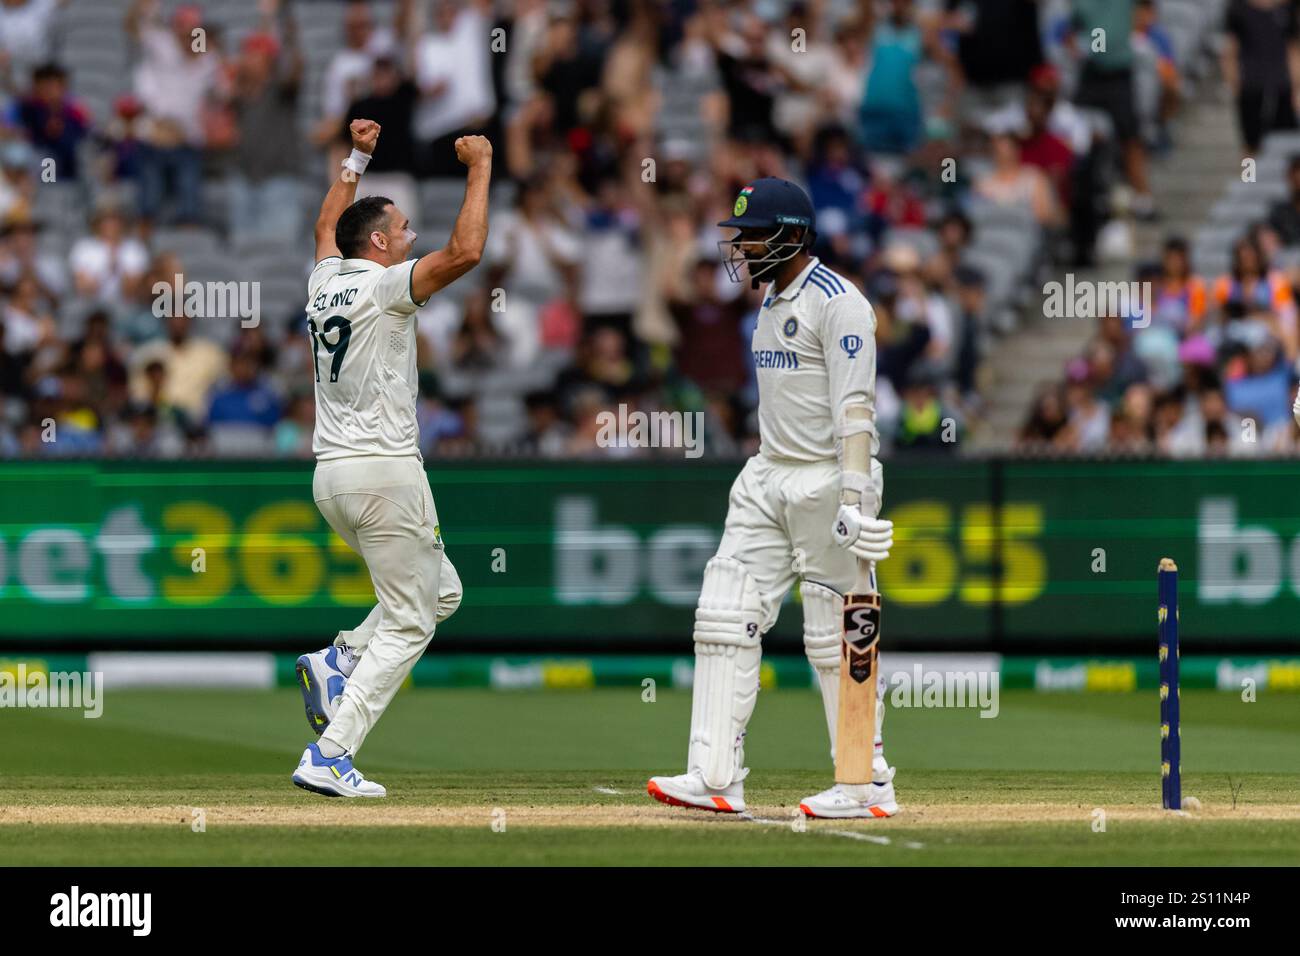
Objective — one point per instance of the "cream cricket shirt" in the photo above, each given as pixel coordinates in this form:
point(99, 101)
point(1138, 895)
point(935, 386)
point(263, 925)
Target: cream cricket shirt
point(814, 351)
point(361, 319)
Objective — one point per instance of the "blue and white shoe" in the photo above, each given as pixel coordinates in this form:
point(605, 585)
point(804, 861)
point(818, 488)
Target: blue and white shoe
point(333, 776)
point(321, 683)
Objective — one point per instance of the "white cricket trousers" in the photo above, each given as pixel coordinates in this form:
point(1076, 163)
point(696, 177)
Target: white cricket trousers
point(779, 520)
point(383, 508)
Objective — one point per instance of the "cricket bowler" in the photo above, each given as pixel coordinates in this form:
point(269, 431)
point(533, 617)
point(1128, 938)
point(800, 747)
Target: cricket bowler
point(370, 483)
point(794, 509)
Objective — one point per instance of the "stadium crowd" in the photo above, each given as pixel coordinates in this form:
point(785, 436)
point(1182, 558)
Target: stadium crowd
point(1209, 367)
point(623, 132)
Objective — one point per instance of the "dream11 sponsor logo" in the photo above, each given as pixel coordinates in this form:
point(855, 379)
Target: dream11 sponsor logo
point(77, 909)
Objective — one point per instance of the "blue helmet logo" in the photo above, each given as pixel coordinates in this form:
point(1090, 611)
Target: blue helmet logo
point(852, 344)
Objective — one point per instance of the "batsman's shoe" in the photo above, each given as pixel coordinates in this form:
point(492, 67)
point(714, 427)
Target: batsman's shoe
point(690, 790)
point(321, 683)
point(333, 776)
point(845, 801)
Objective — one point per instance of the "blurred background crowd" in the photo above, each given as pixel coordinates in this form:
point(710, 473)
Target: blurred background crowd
point(959, 155)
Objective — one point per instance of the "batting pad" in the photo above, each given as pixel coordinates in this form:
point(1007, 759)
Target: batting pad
point(728, 632)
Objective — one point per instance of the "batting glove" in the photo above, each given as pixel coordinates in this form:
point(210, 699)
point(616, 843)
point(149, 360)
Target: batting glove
point(869, 539)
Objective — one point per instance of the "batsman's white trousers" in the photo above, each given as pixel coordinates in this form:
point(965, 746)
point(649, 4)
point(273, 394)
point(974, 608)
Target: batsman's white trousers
point(779, 520)
point(383, 509)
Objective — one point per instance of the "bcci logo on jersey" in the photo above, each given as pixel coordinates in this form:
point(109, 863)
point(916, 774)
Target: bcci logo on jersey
point(852, 345)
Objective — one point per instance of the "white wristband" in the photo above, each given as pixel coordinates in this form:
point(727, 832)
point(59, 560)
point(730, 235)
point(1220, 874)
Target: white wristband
point(357, 162)
point(855, 481)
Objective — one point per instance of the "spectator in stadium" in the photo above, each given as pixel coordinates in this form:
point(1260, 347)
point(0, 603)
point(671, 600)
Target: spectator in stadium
point(709, 349)
point(190, 364)
point(1048, 424)
point(630, 101)
point(924, 421)
point(1013, 182)
point(998, 43)
point(347, 75)
point(548, 433)
point(26, 38)
point(244, 403)
point(453, 72)
point(1041, 147)
point(135, 319)
point(1106, 83)
point(891, 199)
point(920, 302)
point(77, 424)
point(1260, 57)
point(293, 432)
point(264, 189)
point(117, 167)
point(477, 346)
point(1284, 216)
point(55, 122)
point(533, 256)
point(836, 183)
point(28, 318)
point(142, 433)
point(391, 103)
point(527, 34)
point(175, 78)
point(841, 93)
point(109, 264)
point(1254, 292)
point(750, 79)
point(902, 337)
point(1089, 417)
point(890, 119)
point(21, 256)
point(17, 182)
point(1257, 383)
point(972, 318)
point(1180, 296)
point(1151, 40)
point(97, 361)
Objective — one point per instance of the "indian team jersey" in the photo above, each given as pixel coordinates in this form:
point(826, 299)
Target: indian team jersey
point(361, 319)
point(814, 352)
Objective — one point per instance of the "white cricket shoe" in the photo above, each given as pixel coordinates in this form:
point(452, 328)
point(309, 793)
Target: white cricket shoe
point(690, 790)
point(845, 801)
point(333, 776)
point(321, 681)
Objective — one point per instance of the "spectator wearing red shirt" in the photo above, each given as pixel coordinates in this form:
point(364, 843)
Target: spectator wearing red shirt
point(1043, 148)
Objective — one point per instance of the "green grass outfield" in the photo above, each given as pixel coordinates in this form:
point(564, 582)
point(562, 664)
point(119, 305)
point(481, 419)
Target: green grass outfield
point(491, 777)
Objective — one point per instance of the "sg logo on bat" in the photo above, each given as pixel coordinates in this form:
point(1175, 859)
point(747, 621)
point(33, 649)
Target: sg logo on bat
point(861, 629)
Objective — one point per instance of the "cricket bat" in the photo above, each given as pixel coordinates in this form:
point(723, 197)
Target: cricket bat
point(855, 735)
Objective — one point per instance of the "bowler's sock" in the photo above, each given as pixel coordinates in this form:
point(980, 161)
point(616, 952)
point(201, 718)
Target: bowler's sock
point(329, 749)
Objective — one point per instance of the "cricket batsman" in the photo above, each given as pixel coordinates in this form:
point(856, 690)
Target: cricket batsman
point(794, 509)
point(370, 483)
